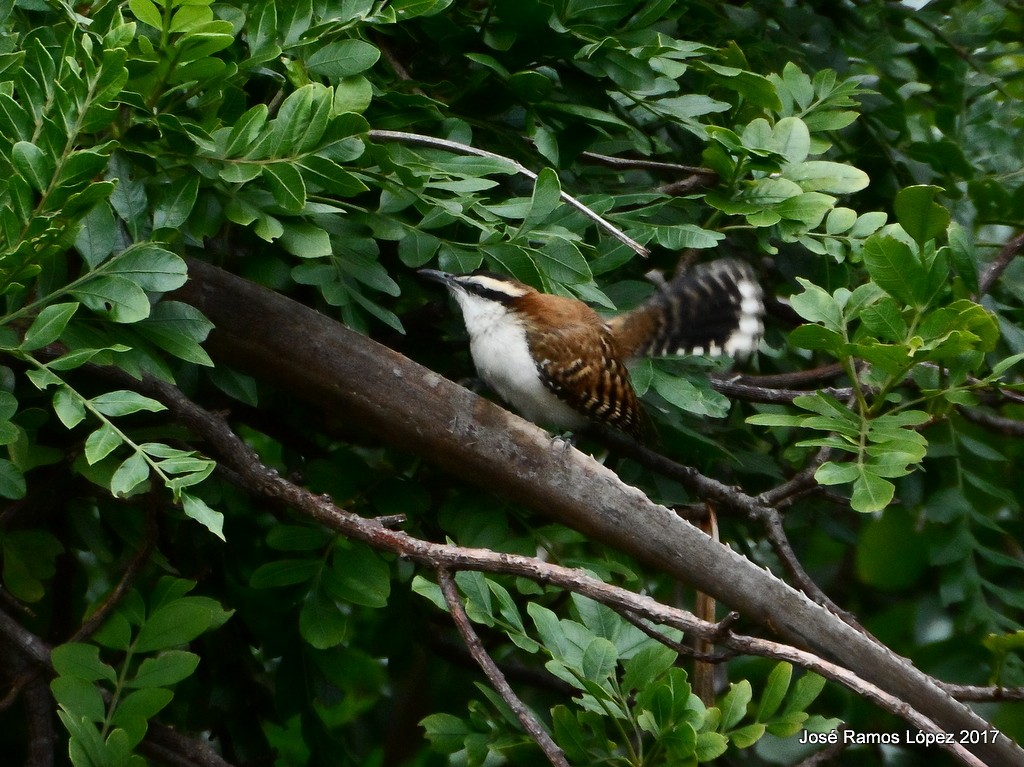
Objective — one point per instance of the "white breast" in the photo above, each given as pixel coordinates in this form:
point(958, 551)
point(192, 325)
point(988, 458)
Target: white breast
point(503, 360)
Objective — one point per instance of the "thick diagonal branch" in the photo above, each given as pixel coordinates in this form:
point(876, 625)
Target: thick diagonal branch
point(413, 409)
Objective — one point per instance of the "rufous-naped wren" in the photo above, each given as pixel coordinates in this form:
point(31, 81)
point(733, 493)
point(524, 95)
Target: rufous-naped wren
point(557, 362)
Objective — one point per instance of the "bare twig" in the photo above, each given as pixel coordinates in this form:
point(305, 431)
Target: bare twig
point(827, 754)
point(497, 679)
point(736, 388)
point(125, 583)
point(994, 270)
point(978, 694)
point(731, 498)
point(454, 146)
point(695, 177)
point(811, 377)
point(1001, 424)
point(628, 163)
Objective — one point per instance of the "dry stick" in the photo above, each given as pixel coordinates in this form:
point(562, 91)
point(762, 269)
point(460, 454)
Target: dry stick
point(729, 498)
point(994, 271)
point(454, 146)
point(626, 163)
point(735, 389)
point(448, 557)
point(127, 580)
point(976, 694)
point(497, 679)
point(827, 754)
point(1009, 426)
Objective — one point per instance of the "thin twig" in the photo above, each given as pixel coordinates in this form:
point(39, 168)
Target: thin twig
point(994, 270)
point(708, 489)
point(680, 647)
point(125, 583)
point(454, 146)
point(628, 163)
point(735, 388)
point(494, 675)
point(1009, 426)
point(799, 378)
point(827, 754)
point(978, 694)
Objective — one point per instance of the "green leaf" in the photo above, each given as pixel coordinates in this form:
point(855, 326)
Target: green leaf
point(79, 698)
point(81, 661)
point(805, 692)
point(895, 269)
point(134, 712)
point(816, 305)
point(68, 407)
point(287, 186)
point(417, 248)
point(832, 473)
point(146, 12)
point(97, 238)
point(151, 267)
point(102, 443)
point(284, 572)
point(175, 203)
point(343, 58)
point(791, 139)
point(48, 325)
point(115, 296)
point(884, 320)
point(429, 590)
point(871, 492)
point(918, 213)
point(129, 475)
point(546, 197)
point(12, 481)
point(197, 509)
point(551, 633)
point(831, 177)
point(775, 690)
point(747, 736)
point(178, 329)
point(124, 402)
point(305, 240)
point(445, 732)
point(709, 746)
point(33, 165)
point(599, 660)
point(321, 623)
point(165, 669)
point(734, 705)
point(359, 575)
point(176, 623)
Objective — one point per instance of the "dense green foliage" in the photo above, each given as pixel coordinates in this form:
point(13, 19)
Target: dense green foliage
point(864, 156)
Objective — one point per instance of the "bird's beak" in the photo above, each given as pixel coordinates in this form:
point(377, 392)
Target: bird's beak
point(433, 274)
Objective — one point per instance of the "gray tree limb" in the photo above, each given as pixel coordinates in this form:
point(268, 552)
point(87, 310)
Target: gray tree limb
point(414, 409)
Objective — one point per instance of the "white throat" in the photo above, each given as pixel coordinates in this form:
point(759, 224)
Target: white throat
point(501, 354)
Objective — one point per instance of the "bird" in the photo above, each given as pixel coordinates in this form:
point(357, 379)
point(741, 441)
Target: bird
point(560, 364)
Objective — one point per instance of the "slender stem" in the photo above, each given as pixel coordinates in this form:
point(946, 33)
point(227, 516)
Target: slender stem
point(497, 679)
point(453, 146)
